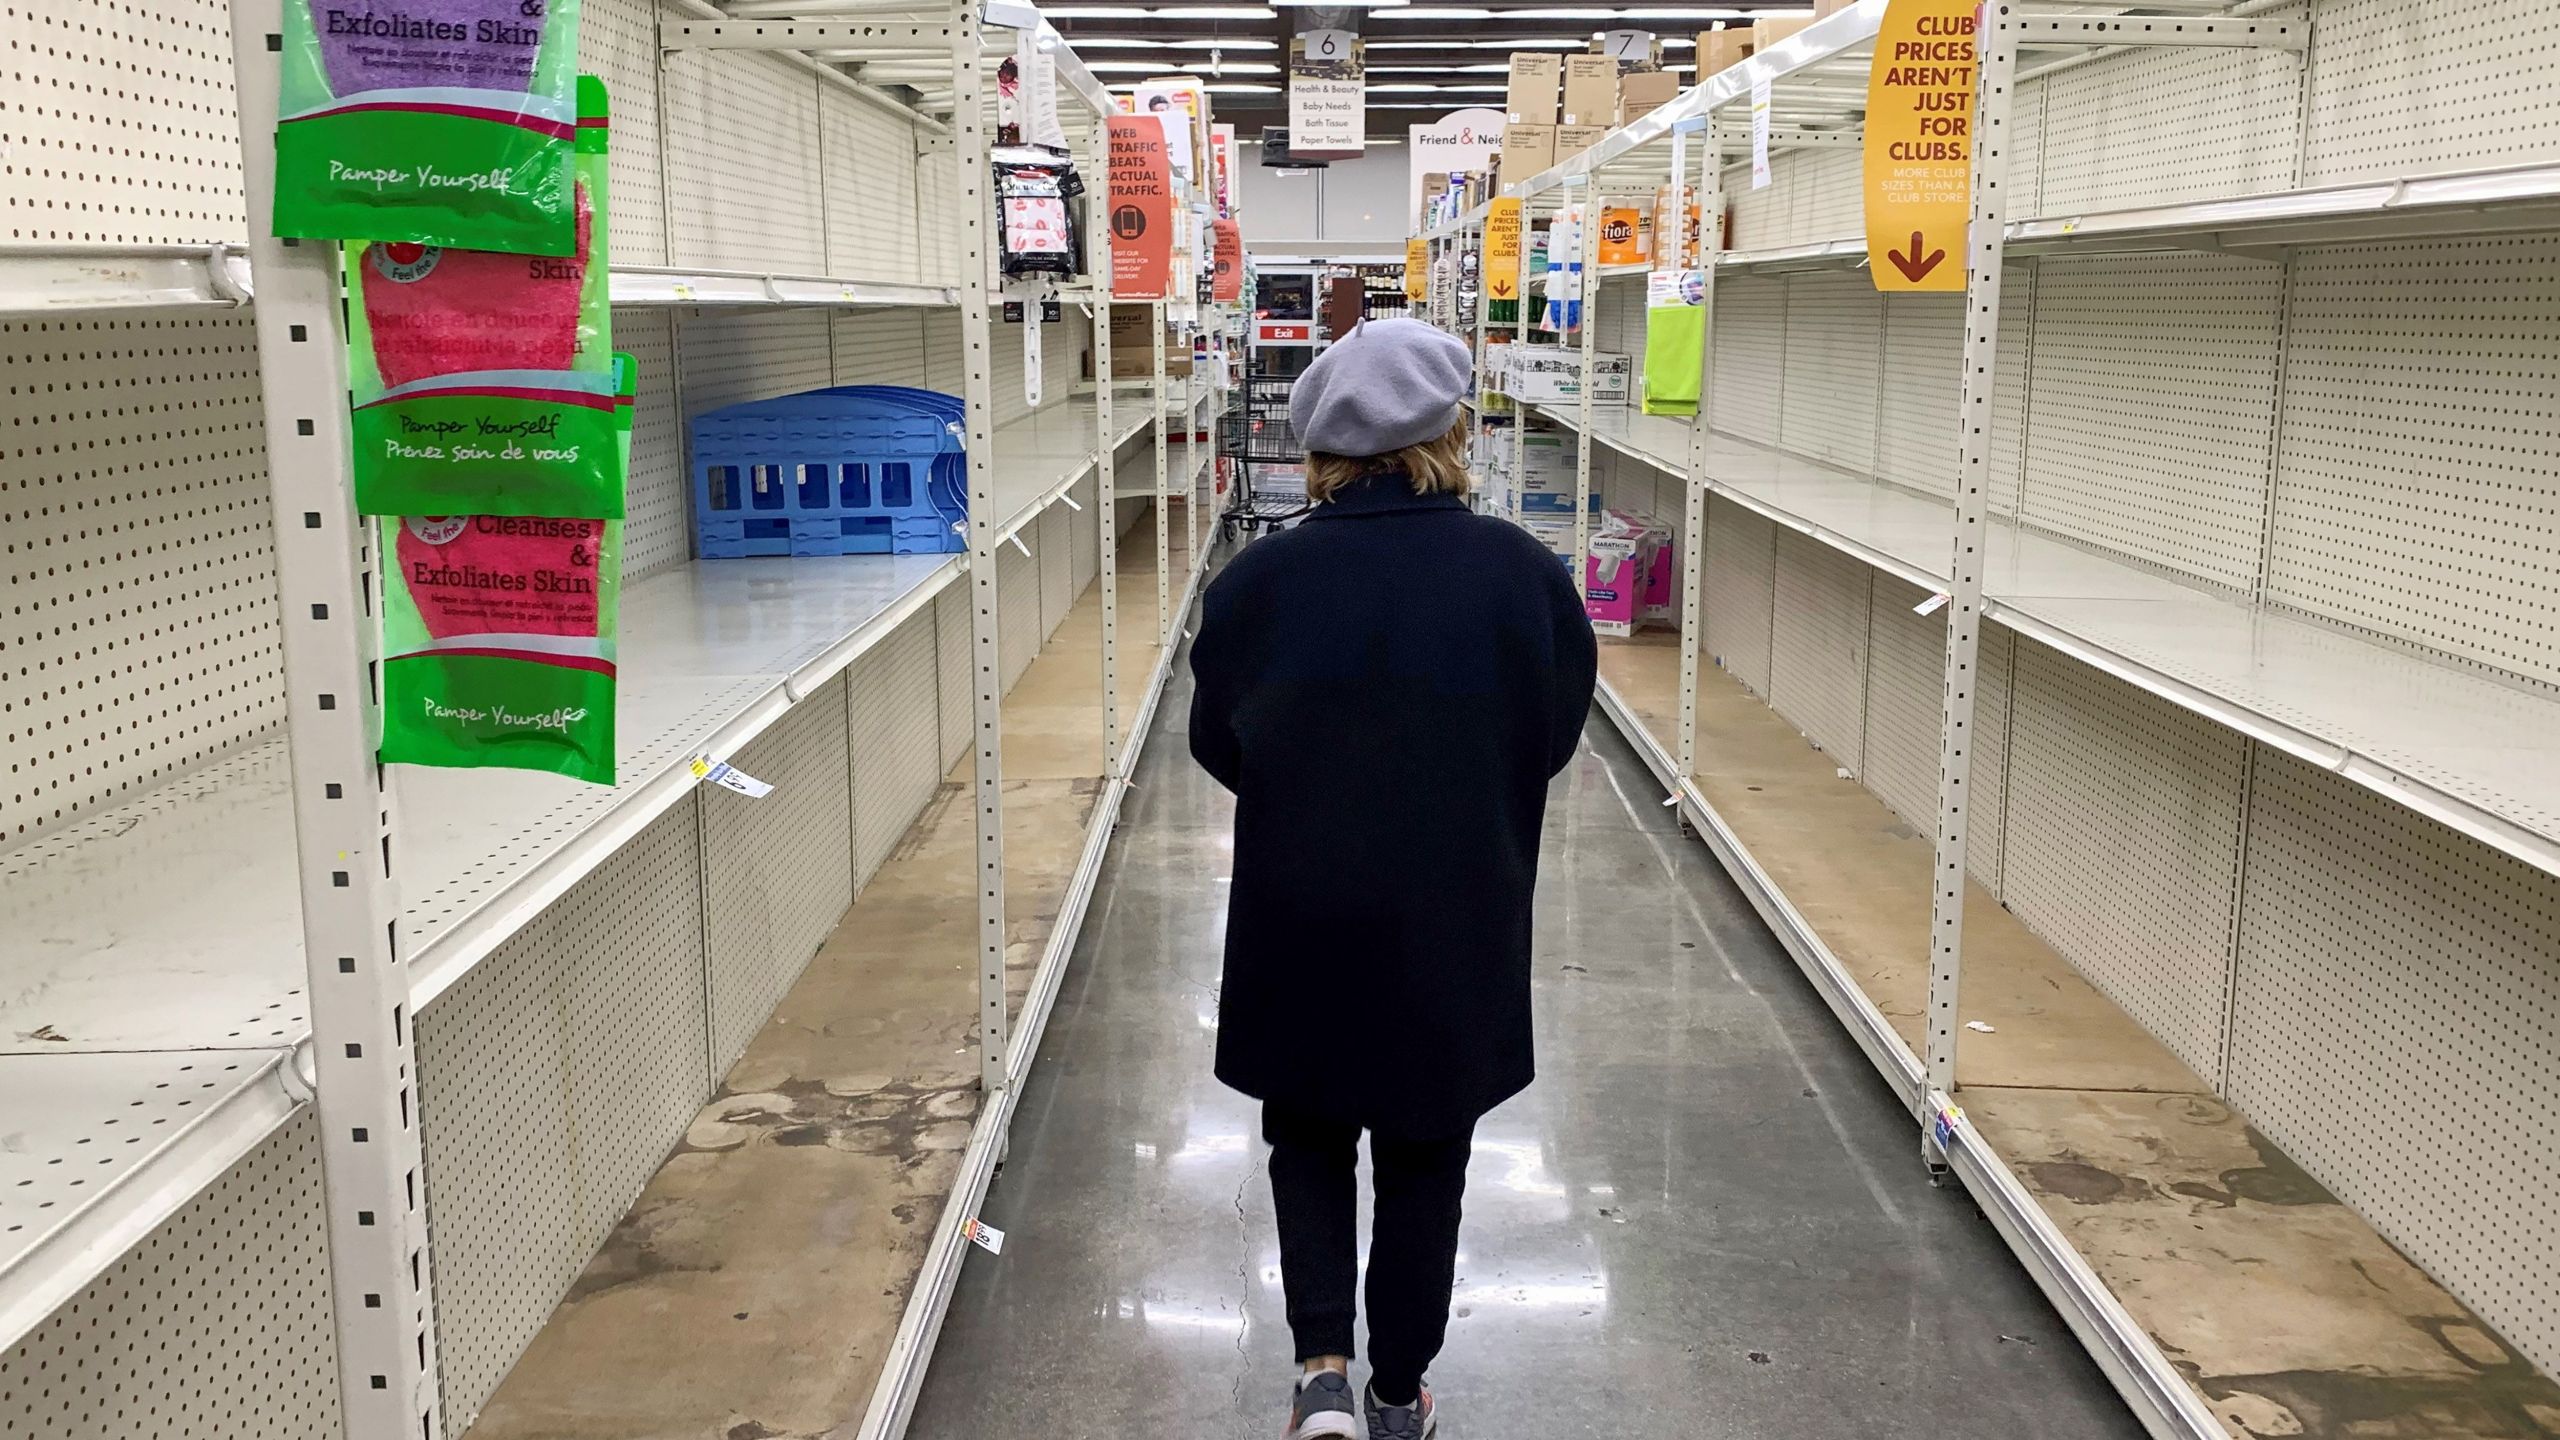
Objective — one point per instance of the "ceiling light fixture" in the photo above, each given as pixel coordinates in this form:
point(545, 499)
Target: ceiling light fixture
point(1161, 12)
point(1176, 67)
point(1525, 42)
point(1240, 87)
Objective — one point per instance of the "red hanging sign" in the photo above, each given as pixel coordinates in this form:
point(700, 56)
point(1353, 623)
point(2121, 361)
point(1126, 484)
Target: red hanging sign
point(1141, 218)
point(1226, 249)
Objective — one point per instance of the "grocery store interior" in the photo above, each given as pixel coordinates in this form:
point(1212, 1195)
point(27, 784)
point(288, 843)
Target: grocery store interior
point(2052, 928)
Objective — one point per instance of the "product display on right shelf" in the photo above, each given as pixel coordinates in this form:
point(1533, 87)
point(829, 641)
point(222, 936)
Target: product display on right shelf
point(2205, 563)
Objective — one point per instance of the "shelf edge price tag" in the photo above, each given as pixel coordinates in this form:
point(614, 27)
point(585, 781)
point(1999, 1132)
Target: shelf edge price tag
point(1943, 1126)
point(1918, 159)
point(985, 1236)
point(729, 777)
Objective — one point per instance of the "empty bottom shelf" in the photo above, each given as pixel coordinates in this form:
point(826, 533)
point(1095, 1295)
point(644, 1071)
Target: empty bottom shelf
point(2284, 1309)
point(757, 1284)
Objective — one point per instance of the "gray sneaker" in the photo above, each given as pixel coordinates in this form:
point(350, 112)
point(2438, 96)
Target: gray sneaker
point(1417, 1421)
point(1321, 1407)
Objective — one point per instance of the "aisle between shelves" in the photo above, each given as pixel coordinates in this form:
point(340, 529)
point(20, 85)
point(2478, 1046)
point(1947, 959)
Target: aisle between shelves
point(151, 1087)
point(2178, 792)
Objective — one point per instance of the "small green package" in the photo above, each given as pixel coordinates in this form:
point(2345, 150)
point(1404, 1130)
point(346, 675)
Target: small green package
point(445, 122)
point(483, 381)
point(499, 636)
point(1675, 331)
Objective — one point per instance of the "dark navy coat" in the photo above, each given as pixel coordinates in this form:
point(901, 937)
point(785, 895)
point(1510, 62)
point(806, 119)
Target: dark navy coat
point(1387, 689)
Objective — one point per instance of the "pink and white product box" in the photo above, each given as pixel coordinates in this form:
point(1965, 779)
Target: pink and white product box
point(1613, 589)
point(1627, 567)
point(1660, 604)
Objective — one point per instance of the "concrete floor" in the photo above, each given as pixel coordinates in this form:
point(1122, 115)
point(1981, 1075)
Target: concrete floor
point(1707, 1219)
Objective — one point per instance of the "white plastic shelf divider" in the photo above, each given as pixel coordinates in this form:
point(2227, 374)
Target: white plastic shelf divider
point(2465, 750)
point(166, 932)
point(53, 280)
point(99, 1147)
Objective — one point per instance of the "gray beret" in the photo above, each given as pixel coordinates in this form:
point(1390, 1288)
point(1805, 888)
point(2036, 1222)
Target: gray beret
point(1386, 385)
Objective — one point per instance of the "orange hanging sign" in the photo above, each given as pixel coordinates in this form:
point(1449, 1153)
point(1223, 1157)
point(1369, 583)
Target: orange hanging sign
point(1226, 248)
point(1502, 250)
point(1919, 145)
point(1417, 268)
point(1141, 218)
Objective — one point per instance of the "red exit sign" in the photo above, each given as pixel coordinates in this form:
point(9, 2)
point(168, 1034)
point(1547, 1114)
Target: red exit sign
point(1270, 330)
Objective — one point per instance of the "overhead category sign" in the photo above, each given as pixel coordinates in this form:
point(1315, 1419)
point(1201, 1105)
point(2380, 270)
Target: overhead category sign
point(1328, 102)
point(1502, 250)
point(1141, 216)
point(1919, 145)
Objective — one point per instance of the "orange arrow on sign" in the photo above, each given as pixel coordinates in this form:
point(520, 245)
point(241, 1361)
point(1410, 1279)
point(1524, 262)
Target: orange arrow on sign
point(1501, 289)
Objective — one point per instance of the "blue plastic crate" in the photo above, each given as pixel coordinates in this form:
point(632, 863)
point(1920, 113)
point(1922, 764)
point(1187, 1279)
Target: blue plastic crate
point(854, 470)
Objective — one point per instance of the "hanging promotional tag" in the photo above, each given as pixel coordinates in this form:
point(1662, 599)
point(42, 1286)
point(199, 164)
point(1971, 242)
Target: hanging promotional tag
point(1760, 132)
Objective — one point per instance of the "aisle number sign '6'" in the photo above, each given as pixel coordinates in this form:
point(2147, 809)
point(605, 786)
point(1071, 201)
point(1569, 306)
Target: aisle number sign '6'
point(1919, 145)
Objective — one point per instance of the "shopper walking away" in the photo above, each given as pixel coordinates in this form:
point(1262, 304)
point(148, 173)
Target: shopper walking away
point(1387, 689)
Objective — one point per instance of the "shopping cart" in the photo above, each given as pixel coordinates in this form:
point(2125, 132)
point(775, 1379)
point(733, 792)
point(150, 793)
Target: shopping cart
point(1270, 469)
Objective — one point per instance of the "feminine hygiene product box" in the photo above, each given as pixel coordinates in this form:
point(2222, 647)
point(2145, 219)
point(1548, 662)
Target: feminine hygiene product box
point(1660, 604)
point(1614, 583)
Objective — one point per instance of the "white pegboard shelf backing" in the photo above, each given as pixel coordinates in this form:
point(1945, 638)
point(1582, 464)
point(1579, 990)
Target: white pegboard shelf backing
point(2472, 753)
point(169, 924)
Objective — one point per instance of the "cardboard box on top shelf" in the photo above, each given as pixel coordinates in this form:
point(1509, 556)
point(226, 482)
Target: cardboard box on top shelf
point(1643, 90)
point(1572, 140)
point(1590, 90)
point(1531, 96)
point(1765, 33)
point(1526, 150)
point(1131, 357)
point(1722, 48)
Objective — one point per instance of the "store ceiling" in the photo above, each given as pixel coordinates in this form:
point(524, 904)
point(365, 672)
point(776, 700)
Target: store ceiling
point(1425, 59)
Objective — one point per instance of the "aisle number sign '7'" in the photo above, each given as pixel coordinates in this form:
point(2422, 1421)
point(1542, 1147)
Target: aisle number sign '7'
point(1919, 145)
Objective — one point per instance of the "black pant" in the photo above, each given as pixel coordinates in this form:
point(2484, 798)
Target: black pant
point(1413, 1244)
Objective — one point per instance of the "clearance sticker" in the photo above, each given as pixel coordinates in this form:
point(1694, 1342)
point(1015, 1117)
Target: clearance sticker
point(1919, 145)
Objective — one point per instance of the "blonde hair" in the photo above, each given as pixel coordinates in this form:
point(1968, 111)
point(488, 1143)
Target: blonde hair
point(1437, 466)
